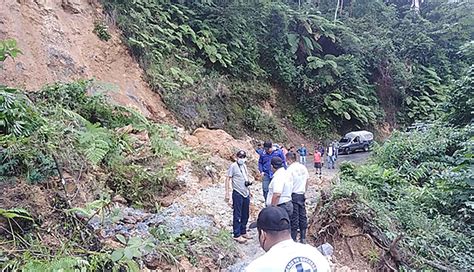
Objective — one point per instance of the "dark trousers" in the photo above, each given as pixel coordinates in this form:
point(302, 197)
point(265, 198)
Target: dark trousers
point(298, 218)
point(240, 205)
point(265, 183)
point(288, 207)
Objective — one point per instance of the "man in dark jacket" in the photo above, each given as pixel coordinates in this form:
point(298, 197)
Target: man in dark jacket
point(264, 165)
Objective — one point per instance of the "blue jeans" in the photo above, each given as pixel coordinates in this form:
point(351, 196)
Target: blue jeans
point(303, 159)
point(265, 183)
point(240, 205)
point(330, 162)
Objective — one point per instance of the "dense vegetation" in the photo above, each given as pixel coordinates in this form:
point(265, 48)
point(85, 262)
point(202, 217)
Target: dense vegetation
point(418, 189)
point(420, 185)
point(63, 127)
point(377, 61)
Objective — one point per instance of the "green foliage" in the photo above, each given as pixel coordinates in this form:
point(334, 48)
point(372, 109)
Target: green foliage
point(65, 122)
point(14, 213)
point(8, 48)
point(351, 73)
point(135, 247)
point(58, 264)
point(420, 184)
point(461, 101)
point(17, 115)
point(102, 30)
point(98, 262)
point(260, 122)
point(425, 97)
point(92, 208)
point(195, 244)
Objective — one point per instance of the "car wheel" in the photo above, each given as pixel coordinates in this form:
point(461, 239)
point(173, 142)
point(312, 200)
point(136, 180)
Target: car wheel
point(347, 150)
point(366, 148)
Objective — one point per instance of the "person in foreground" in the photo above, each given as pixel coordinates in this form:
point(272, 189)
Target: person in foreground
point(282, 253)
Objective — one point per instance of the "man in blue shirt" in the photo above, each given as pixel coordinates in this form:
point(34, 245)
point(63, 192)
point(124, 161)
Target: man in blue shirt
point(264, 165)
point(303, 153)
point(259, 149)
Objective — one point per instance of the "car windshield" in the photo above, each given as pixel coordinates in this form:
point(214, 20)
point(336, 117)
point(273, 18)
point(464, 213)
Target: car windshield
point(344, 140)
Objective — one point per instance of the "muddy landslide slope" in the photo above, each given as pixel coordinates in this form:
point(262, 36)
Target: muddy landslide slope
point(58, 44)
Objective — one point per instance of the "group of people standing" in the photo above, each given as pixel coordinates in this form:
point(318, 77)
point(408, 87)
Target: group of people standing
point(284, 183)
point(332, 152)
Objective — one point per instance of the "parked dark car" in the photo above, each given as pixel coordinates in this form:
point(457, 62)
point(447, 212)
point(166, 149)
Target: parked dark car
point(356, 140)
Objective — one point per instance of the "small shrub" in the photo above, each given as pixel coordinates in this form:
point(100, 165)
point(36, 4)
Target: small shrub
point(260, 122)
point(102, 30)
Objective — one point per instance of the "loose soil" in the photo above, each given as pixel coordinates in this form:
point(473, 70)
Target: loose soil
point(58, 44)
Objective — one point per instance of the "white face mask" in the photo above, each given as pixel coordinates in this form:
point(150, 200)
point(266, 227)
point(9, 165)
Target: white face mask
point(241, 161)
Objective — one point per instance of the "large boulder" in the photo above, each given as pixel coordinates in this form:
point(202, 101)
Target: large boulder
point(220, 143)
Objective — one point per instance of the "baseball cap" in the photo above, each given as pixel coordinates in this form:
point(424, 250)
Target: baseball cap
point(276, 162)
point(273, 218)
point(241, 154)
point(267, 144)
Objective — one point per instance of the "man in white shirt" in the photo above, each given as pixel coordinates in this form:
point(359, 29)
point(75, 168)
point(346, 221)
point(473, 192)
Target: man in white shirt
point(299, 176)
point(280, 188)
point(331, 156)
point(283, 254)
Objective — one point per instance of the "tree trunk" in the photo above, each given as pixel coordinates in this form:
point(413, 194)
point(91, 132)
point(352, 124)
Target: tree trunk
point(337, 9)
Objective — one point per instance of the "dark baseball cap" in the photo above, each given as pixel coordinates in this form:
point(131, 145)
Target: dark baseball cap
point(267, 144)
point(277, 162)
point(241, 154)
point(273, 218)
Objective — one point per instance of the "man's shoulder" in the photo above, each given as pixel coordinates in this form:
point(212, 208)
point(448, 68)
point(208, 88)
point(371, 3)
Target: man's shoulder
point(233, 166)
point(282, 172)
point(301, 167)
point(290, 257)
point(311, 254)
point(262, 263)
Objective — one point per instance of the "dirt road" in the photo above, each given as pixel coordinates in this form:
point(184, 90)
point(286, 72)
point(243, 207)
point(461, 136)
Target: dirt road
point(251, 250)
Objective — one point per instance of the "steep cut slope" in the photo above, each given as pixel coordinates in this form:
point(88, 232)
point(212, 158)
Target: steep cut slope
point(58, 44)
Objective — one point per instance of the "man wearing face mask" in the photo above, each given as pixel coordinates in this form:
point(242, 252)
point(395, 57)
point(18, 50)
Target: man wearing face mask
point(282, 253)
point(238, 175)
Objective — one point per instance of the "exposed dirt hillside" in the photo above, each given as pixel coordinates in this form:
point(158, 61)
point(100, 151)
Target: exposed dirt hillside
point(58, 44)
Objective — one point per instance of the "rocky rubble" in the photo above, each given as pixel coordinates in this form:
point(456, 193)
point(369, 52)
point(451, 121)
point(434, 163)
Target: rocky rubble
point(131, 222)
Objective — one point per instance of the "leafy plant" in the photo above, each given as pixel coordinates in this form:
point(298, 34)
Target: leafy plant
point(102, 30)
point(260, 122)
point(8, 48)
point(135, 247)
point(17, 115)
point(461, 102)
